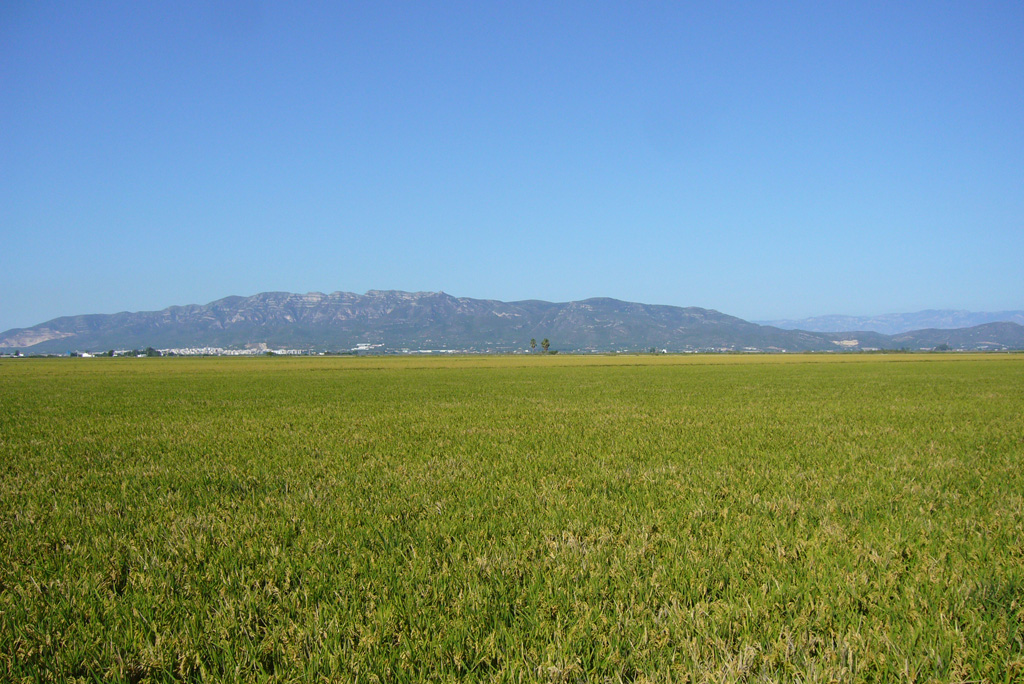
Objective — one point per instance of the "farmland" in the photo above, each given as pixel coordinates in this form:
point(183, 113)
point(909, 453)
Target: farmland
point(548, 518)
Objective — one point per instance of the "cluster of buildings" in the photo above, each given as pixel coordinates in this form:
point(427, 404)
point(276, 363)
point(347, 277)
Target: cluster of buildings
point(219, 351)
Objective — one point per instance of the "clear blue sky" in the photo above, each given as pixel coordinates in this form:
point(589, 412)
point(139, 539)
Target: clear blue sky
point(764, 159)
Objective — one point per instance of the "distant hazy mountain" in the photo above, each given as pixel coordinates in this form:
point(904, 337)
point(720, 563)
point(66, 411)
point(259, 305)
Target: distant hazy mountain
point(399, 321)
point(896, 323)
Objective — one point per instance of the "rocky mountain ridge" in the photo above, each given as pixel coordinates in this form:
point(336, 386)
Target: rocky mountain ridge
point(396, 321)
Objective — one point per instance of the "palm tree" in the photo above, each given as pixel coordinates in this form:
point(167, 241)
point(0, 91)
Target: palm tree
point(545, 344)
point(533, 344)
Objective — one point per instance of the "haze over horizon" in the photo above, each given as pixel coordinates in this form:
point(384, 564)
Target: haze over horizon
point(765, 161)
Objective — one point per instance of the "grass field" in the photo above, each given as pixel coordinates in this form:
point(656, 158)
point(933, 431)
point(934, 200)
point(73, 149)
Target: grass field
point(554, 519)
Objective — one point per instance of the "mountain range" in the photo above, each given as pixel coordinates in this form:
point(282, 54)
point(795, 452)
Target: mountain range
point(896, 323)
point(395, 321)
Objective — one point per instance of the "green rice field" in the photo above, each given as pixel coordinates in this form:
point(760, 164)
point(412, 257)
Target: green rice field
point(819, 518)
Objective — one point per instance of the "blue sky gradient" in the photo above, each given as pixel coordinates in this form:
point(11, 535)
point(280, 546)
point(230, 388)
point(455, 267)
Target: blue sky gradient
point(766, 159)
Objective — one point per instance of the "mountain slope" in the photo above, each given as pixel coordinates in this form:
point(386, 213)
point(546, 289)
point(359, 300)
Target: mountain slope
point(985, 337)
point(436, 320)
